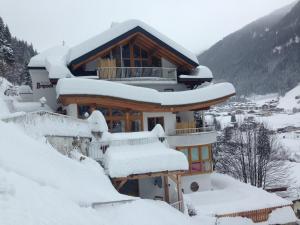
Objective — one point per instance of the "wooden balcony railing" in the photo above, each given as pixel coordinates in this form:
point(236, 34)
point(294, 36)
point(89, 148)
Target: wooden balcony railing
point(190, 127)
point(137, 73)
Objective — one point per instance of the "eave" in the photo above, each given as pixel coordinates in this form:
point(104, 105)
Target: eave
point(137, 105)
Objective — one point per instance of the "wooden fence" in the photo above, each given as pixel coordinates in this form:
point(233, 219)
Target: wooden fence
point(257, 216)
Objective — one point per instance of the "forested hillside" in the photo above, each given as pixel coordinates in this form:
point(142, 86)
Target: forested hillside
point(263, 57)
point(14, 56)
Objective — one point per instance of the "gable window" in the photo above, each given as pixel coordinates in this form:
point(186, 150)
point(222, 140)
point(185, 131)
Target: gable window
point(199, 157)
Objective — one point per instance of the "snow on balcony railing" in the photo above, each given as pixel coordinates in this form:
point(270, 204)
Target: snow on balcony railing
point(49, 123)
point(137, 73)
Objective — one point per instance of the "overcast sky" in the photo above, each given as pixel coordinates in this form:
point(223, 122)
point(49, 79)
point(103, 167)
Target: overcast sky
point(195, 24)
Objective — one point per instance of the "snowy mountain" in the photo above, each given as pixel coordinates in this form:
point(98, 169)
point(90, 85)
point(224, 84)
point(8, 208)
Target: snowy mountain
point(263, 57)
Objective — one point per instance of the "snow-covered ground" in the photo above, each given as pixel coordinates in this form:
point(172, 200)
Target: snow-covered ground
point(38, 185)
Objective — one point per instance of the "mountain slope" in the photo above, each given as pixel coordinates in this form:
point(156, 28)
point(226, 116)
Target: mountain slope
point(263, 56)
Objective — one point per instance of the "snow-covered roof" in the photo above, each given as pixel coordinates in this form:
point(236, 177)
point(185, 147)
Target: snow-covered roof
point(149, 156)
point(39, 60)
point(79, 86)
point(121, 28)
point(201, 72)
point(232, 196)
point(55, 60)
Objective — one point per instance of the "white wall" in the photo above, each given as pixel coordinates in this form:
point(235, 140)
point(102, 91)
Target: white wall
point(149, 190)
point(203, 180)
point(41, 87)
point(201, 138)
point(169, 119)
point(72, 110)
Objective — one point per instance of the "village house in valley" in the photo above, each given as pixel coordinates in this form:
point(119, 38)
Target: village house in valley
point(152, 138)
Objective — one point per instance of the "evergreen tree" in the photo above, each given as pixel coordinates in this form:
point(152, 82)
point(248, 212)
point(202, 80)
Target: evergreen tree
point(14, 57)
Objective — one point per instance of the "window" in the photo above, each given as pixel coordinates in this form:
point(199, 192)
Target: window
point(152, 121)
point(82, 110)
point(195, 154)
point(118, 120)
point(204, 152)
point(199, 157)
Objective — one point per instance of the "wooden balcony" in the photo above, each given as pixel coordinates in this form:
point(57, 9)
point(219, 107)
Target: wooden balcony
point(137, 74)
point(184, 128)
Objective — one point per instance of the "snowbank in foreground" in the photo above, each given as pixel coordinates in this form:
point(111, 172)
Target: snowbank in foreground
point(40, 186)
point(44, 165)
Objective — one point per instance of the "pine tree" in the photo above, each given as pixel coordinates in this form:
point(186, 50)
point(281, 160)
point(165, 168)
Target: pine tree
point(14, 57)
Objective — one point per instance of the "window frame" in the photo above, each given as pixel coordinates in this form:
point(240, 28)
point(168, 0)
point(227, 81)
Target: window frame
point(200, 160)
point(128, 116)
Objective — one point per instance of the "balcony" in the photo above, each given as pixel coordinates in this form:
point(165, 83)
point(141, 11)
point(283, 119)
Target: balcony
point(137, 74)
point(187, 134)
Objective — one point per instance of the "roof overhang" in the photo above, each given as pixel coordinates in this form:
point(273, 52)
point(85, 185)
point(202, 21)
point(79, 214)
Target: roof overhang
point(137, 105)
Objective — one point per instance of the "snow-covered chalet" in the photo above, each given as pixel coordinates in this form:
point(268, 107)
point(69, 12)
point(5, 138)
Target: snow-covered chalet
point(152, 94)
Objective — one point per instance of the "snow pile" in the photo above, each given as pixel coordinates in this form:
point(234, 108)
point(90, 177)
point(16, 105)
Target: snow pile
point(79, 86)
point(45, 166)
point(29, 106)
point(282, 215)
point(290, 100)
point(39, 124)
point(97, 122)
point(40, 186)
point(232, 197)
point(139, 153)
point(122, 161)
point(201, 72)
point(121, 28)
point(144, 212)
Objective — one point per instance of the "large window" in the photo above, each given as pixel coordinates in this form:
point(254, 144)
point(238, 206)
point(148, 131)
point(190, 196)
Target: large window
point(199, 157)
point(118, 120)
point(152, 121)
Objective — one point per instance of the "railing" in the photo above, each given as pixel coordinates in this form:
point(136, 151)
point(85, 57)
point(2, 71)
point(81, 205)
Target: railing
point(97, 149)
point(49, 123)
point(137, 73)
point(193, 130)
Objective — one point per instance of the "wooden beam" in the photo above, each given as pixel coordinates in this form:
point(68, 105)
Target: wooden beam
point(166, 189)
point(121, 184)
point(179, 192)
point(149, 175)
